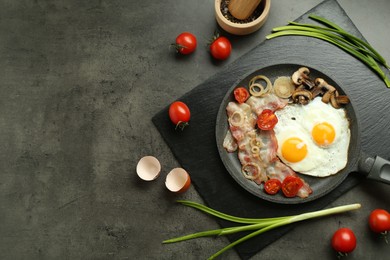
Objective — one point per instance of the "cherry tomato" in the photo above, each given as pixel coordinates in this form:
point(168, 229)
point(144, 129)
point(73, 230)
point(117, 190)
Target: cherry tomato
point(267, 120)
point(185, 43)
point(220, 48)
point(344, 241)
point(180, 114)
point(272, 186)
point(241, 94)
point(291, 186)
point(379, 221)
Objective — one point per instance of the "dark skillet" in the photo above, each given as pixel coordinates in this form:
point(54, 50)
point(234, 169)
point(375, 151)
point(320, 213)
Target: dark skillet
point(377, 169)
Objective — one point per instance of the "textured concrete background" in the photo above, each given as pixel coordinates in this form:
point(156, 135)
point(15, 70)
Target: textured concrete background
point(79, 83)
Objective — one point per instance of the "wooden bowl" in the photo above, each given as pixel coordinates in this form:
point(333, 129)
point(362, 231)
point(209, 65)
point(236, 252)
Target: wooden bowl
point(242, 28)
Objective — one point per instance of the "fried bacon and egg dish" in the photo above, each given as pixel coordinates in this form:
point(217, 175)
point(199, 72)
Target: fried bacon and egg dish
point(296, 125)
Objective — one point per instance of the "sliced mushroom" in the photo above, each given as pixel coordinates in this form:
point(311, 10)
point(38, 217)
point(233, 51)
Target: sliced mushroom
point(320, 87)
point(342, 99)
point(302, 96)
point(325, 88)
point(317, 91)
point(337, 100)
point(301, 76)
point(333, 100)
point(326, 97)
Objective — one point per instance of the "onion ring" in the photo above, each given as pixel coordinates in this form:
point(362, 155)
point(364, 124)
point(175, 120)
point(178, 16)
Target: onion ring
point(255, 150)
point(240, 120)
point(254, 83)
point(250, 177)
point(284, 87)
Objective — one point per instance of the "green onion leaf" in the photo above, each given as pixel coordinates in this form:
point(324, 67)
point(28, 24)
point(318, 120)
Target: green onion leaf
point(339, 37)
point(260, 225)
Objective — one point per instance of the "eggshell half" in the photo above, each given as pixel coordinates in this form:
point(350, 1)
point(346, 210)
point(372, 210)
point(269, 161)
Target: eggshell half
point(148, 168)
point(178, 180)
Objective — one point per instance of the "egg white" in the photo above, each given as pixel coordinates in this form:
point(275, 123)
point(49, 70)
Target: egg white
point(297, 120)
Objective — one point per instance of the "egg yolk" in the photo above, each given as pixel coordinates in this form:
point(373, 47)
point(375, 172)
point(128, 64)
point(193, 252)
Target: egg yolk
point(323, 134)
point(294, 149)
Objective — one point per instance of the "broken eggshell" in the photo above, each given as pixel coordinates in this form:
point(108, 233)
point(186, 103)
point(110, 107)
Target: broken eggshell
point(178, 180)
point(148, 168)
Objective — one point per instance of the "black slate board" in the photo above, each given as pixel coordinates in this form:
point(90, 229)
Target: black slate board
point(196, 150)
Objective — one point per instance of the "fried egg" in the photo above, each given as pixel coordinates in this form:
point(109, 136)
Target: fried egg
point(313, 139)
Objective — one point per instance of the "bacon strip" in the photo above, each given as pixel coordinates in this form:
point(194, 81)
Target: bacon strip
point(247, 137)
point(276, 168)
point(270, 101)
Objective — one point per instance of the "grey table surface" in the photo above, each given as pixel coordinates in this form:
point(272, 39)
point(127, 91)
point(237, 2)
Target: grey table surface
point(80, 82)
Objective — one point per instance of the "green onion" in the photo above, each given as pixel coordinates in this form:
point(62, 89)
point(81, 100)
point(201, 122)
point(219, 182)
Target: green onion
point(362, 45)
point(359, 44)
point(334, 34)
point(260, 225)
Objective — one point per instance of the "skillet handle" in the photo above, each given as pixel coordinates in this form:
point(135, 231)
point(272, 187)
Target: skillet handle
point(380, 170)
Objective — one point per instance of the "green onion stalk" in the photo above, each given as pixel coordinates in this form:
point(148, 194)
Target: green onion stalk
point(337, 36)
point(259, 225)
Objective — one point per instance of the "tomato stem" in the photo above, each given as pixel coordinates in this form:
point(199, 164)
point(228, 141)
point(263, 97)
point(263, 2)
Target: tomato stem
point(178, 47)
point(341, 255)
point(384, 235)
point(181, 125)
